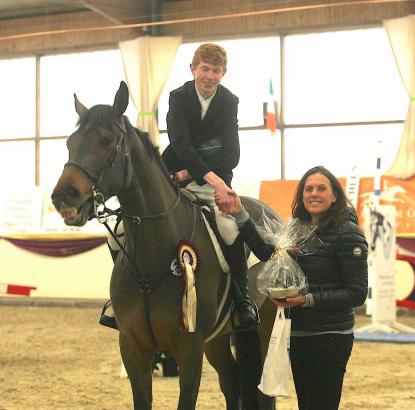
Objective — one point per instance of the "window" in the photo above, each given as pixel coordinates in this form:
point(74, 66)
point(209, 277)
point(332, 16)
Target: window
point(94, 77)
point(335, 78)
point(344, 76)
point(17, 164)
point(18, 98)
point(341, 148)
point(342, 94)
point(53, 156)
point(260, 157)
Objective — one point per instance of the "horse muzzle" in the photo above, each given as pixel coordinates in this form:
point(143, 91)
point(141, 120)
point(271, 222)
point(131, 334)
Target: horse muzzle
point(73, 211)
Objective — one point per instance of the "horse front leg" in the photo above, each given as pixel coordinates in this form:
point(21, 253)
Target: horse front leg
point(189, 357)
point(219, 354)
point(138, 366)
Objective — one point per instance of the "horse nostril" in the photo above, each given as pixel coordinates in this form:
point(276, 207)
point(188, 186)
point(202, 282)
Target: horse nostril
point(55, 197)
point(73, 192)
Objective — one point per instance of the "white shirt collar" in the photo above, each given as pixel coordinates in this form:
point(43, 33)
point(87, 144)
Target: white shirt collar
point(201, 98)
point(204, 102)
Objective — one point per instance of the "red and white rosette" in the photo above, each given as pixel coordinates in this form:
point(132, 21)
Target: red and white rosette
point(188, 260)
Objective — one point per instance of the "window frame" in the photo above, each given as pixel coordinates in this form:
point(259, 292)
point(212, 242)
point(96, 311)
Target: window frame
point(280, 95)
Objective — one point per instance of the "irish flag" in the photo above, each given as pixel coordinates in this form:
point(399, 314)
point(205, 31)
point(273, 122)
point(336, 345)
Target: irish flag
point(270, 110)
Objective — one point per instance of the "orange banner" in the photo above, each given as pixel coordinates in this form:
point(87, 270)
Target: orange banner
point(400, 193)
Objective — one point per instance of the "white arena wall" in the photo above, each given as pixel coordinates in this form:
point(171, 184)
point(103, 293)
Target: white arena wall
point(83, 276)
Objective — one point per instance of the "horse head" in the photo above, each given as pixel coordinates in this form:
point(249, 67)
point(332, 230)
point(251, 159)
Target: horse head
point(98, 159)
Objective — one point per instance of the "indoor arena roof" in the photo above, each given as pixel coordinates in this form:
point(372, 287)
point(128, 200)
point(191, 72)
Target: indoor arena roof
point(117, 11)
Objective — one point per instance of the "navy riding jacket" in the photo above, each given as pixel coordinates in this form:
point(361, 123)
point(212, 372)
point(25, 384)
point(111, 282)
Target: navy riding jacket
point(186, 130)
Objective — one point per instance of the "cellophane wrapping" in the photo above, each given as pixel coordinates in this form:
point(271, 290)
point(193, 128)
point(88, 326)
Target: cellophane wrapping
point(282, 276)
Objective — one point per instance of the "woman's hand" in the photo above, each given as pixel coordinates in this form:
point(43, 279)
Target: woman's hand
point(222, 193)
point(295, 301)
point(224, 199)
point(235, 204)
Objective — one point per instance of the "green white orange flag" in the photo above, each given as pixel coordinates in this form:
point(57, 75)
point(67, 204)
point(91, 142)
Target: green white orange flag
point(270, 110)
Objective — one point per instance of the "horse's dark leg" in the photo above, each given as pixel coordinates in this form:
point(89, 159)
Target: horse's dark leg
point(219, 355)
point(138, 366)
point(249, 359)
point(189, 357)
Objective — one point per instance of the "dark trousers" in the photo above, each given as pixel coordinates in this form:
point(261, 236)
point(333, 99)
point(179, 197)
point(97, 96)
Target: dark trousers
point(318, 364)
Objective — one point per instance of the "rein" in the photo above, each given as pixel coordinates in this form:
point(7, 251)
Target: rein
point(144, 286)
point(103, 213)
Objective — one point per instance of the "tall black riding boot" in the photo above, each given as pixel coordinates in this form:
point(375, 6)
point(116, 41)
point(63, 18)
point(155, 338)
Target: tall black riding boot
point(244, 314)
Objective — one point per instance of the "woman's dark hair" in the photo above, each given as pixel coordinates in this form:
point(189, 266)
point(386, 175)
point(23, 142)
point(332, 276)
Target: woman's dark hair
point(337, 211)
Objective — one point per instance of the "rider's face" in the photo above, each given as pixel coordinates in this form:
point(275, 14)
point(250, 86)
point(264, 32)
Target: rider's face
point(318, 195)
point(207, 77)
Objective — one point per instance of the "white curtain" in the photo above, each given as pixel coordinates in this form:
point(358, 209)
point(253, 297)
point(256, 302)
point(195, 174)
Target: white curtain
point(401, 34)
point(147, 64)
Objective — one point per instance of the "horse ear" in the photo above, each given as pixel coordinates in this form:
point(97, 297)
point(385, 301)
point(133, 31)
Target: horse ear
point(121, 99)
point(79, 107)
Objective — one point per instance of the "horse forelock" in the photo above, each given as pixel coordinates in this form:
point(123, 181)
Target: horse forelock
point(98, 116)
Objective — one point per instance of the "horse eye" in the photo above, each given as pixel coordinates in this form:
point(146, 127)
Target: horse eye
point(106, 142)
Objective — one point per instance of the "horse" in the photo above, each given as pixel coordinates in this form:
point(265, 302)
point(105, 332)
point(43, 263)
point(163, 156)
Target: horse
point(109, 157)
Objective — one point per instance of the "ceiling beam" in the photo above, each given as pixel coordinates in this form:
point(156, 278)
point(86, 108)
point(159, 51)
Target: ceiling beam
point(121, 11)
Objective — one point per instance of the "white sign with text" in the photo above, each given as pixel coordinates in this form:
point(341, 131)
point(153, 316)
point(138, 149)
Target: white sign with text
point(380, 234)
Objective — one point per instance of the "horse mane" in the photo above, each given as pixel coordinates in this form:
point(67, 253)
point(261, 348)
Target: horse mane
point(152, 150)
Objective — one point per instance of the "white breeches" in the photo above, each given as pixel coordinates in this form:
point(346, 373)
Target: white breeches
point(227, 226)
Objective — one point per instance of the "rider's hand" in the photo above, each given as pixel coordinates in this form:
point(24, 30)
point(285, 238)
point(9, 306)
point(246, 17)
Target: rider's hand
point(224, 198)
point(181, 176)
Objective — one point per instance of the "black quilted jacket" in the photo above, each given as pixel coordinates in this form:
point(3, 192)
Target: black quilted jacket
point(336, 273)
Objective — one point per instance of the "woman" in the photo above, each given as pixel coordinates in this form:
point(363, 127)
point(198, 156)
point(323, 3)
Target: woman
point(323, 319)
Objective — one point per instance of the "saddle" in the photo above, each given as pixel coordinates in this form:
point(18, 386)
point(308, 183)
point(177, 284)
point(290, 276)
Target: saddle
point(222, 253)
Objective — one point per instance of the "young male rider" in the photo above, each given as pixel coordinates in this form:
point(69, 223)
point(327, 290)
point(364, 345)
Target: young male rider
point(202, 127)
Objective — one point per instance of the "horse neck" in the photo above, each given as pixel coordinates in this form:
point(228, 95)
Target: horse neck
point(150, 193)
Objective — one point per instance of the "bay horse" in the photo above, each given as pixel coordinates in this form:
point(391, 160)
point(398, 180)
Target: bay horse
point(109, 157)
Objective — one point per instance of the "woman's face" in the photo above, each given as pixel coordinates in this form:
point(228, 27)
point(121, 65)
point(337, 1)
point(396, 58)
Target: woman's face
point(317, 195)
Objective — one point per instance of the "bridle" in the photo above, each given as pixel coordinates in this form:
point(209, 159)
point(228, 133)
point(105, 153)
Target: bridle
point(102, 213)
point(97, 176)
